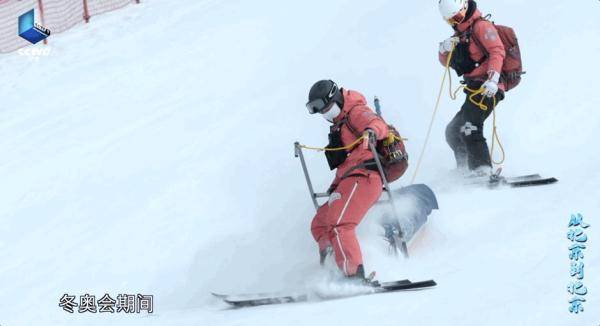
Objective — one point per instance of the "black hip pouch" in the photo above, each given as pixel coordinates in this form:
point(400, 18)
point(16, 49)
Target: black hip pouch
point(335, 158)
point(461, 60)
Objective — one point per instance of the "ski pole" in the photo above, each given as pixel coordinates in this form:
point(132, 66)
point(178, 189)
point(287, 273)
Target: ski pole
point(387, 189)
point(403, 246)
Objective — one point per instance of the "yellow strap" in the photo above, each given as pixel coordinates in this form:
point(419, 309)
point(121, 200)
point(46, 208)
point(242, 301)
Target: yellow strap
point(495, 138)
point(323, 149)
point(454, 95)
point(482, 106)
point(435, 109)
point(392, 137)
point(475, 92)
point(356, 142)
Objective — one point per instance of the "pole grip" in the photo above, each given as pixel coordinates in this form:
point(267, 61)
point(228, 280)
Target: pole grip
point(377, 106)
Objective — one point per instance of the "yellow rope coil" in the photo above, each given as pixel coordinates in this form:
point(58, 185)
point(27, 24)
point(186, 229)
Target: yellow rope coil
point(482, 106)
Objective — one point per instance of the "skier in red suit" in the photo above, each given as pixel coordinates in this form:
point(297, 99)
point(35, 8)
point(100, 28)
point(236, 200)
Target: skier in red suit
point(478, 55)
point(355, 187)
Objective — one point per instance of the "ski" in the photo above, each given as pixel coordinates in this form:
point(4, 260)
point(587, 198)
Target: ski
point(532, 182)
point(251, 295)
point(253, 300)
point(400, 282)
point(521, 181)
point(524, 177)
point(241, 303)
point(496, 180)
point(220, 296)
point(404, 285)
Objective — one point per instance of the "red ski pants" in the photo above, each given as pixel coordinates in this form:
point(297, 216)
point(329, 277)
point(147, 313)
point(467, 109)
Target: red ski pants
point(335, 221)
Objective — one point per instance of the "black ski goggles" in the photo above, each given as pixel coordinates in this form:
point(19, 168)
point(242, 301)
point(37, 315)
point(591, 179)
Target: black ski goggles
point(322, 105)
point(318, 106)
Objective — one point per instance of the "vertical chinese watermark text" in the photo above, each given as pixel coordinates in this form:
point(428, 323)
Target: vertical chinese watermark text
point(578, 238)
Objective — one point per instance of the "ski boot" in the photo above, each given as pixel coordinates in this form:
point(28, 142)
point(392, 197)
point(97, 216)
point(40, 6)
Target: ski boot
point(360, 278)
point(495, 178)
point(480, 172)
point(323, 254)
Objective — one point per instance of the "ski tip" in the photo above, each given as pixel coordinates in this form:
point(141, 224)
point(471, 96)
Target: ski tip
point(427, 283)
point(218, 295)
point(409, 286)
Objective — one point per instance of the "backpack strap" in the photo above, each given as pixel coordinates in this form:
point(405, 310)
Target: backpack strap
point(346, 121)
point(368, 164)
point(474, 37)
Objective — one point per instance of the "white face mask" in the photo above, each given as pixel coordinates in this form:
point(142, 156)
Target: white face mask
point(332, 113)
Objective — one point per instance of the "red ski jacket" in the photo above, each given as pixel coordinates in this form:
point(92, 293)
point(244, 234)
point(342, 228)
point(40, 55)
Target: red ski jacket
point(487, 36)
point(359, 117)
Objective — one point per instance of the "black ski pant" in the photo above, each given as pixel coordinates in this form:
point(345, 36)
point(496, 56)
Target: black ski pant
point(464, 133)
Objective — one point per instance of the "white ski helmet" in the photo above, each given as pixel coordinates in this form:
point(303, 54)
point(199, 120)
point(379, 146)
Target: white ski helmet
point(449, 8)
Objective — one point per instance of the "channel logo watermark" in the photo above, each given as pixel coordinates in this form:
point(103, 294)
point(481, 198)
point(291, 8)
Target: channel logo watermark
point(34, 54)
point(30, 30)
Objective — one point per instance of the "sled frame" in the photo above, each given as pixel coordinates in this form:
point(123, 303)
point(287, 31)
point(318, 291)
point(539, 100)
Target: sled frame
point(399, 238)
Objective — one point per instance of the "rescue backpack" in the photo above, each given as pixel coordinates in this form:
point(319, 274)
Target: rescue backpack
point(391, 152)
point(393, 155)
point(512, 68)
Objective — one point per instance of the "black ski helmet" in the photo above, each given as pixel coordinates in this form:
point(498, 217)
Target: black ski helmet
point(322, 95)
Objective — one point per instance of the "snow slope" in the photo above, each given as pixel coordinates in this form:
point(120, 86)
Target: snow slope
point(151, 152)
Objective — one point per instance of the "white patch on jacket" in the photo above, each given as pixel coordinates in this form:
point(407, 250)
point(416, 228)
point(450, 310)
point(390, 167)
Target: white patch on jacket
point(333, 197)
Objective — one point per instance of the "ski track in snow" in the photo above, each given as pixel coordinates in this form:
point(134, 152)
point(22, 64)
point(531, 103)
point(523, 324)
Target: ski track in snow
point(151, 152)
